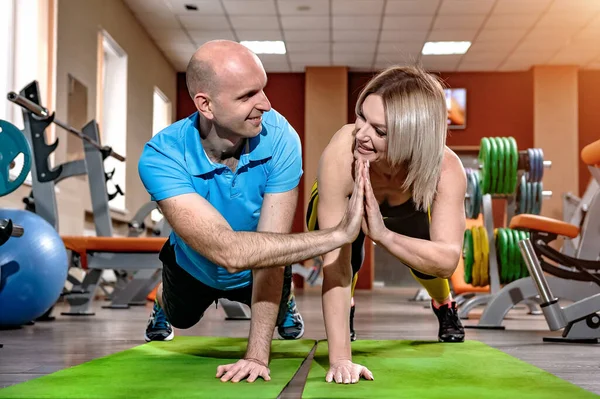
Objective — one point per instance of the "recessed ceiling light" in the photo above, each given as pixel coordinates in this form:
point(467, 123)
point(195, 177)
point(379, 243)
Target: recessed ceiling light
point(265, 47)
point(445, 48)
point(191, 7)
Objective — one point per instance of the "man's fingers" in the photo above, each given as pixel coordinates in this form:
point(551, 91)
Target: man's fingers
point(338, 376)
point(242, 373)
point(355, 375)
point(223, 369)
point(264, 373)
point(253, 374)
point(346, 376)
point(329, 376)
point(365, 372)
point(230, 373)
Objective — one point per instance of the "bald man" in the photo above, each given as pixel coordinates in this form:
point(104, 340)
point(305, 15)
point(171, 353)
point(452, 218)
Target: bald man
point(226, 178)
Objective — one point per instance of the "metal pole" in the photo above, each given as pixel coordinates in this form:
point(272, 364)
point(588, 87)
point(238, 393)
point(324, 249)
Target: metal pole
point(42, 112)
point(536, 272)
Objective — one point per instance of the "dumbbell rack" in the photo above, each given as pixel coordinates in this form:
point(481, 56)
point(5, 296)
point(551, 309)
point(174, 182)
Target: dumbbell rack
point(496, 290)
point(501, 300)
point(494, 271)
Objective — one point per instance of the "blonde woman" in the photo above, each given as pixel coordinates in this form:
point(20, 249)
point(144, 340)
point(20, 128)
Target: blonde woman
point(414, 201)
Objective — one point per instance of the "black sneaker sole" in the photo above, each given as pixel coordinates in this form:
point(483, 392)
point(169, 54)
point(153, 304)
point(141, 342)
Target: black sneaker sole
point(452, 339)
point(168, 338)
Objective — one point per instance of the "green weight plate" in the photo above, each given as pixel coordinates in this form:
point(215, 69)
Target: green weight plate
point(524, 265)
point(509, 256)
point(524, 272)
point(484, 161)
point(501, 253)
point(507, 166)
point(512, 259)
point(501, 162)
point(468, 255)
point(515, 163)
point(493, 167)
point(518, 256)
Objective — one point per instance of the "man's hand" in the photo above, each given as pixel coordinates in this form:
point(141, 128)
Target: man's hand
point(249, 369)
point(351, 222)
point(346, 372)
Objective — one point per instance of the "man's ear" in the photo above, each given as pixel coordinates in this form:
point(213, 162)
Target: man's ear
point(204, 104)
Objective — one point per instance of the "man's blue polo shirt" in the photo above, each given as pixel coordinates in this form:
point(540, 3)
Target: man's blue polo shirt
point(175, 163)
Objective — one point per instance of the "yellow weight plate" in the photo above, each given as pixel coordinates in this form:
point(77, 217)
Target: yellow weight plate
point(485, 251)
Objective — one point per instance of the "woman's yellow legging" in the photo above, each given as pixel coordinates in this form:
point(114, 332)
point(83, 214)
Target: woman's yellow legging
point(437, 288)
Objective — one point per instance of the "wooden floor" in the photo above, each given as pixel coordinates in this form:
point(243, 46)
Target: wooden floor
point(381, 314)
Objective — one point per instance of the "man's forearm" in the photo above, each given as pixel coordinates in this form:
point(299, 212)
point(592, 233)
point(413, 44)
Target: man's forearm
point(266, 296)
point(240, 250)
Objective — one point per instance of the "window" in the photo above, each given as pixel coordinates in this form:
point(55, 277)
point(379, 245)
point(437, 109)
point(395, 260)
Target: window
point(112, 109)
point(27, 41)
point(161, 118)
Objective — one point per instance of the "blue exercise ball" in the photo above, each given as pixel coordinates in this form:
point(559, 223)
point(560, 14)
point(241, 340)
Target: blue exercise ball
point(33, 269)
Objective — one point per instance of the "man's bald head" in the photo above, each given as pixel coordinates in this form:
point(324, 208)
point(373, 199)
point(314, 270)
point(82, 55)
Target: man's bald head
point(209, 63)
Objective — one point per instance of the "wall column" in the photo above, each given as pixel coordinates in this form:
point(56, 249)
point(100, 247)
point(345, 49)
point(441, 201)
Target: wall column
point(556, 131)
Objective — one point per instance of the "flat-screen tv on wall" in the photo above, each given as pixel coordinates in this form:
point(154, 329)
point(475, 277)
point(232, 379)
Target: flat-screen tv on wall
point(456, 102)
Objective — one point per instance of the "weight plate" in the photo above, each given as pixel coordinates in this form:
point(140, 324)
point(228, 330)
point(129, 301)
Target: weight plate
point(484, 161)
point(507, 166)
point(12, 143)
point(468, 256)
point(515, 163)
point(528, 197)
point(534, 198)
point(518, 258)
point(476, 256)
point(522, 196)
point(502, 253)
point(524, 272)
point(530, 165)
point(471, 199)
point(541, 161)
point(500, 163)
point(493, 168)
point(485, 251)
point(510, 271)
point(477, 204)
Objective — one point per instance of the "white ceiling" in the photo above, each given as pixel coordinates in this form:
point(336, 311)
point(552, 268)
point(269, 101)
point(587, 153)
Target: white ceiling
point(507, 35)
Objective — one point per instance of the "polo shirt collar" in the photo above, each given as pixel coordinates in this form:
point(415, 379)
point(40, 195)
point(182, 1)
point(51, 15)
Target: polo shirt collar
point(256, 149)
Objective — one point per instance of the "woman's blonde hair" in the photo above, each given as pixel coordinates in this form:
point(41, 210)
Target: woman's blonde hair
point(416, 118)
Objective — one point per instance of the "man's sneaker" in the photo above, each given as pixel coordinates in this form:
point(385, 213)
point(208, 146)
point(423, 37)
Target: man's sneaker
point(291, 325)
point(352, 332)
point(451, 329)
point(158, 328)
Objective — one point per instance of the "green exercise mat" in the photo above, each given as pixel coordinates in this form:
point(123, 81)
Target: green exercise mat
point(426, 369)
point(182, 368)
